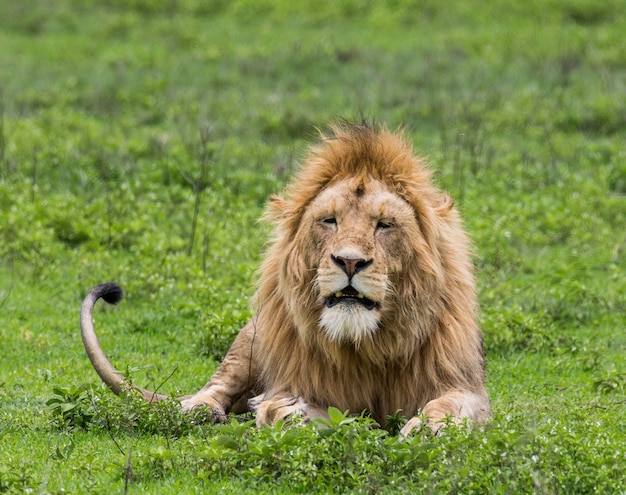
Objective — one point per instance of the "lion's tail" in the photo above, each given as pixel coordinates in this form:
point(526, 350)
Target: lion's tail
point(111, 293)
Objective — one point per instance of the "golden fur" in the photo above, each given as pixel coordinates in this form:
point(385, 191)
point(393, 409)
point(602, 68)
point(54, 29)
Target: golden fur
point(362, 212)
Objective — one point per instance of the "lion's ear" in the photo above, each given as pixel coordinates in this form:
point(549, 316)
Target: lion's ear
point(277, 203)
point(277, 208)
point(444, 205)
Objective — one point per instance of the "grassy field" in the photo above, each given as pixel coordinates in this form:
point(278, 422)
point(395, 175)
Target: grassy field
point(139, 141)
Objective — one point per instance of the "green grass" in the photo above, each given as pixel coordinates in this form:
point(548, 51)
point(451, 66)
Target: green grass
point(107, 110)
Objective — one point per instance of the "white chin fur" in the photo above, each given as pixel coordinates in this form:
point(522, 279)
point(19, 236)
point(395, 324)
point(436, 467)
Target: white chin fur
point(348, 323)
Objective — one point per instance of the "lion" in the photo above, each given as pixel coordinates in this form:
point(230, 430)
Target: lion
point(366, 298)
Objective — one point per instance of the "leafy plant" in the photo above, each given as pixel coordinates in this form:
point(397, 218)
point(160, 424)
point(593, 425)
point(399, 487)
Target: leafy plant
point(71, 407)
point(612, 383)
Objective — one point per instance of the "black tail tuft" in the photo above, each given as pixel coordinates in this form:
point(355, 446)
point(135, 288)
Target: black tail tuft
point(110, 292)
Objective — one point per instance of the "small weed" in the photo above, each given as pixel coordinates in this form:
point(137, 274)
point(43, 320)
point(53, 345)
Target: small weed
point(71, 407)
point(611, 383)
point(617, 179)
point(221, 329)
point(585, 12)
point(15, 480)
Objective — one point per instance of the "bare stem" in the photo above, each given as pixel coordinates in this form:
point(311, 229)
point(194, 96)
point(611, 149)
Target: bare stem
point(199, 184)
point(2, 136)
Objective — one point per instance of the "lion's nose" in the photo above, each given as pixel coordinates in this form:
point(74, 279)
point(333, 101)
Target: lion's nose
point(351, 266)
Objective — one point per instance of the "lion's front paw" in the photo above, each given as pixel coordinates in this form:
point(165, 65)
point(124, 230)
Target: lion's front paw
point(273, 410)
point(417, 424)
point(434, 416)
point(218, 414)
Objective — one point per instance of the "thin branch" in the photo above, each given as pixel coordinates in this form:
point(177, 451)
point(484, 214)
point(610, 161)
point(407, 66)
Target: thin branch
point(11, 286)
point(107, 426)
point(128, 471)
point(163, 383)
point(200, 184)
point(2, 136)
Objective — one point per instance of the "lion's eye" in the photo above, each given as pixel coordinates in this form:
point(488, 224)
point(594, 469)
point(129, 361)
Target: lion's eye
point(329, 220)
point(383, 225)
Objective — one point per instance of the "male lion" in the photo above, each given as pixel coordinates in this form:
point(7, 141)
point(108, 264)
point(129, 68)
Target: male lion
point(366, 297)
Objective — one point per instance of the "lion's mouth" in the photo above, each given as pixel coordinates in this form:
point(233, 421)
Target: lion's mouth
point(350, 295)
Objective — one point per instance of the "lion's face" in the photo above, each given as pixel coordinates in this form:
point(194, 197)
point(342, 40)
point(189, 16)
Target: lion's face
point(357, 230)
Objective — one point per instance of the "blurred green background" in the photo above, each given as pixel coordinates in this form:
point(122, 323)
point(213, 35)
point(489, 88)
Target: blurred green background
point(139, 141)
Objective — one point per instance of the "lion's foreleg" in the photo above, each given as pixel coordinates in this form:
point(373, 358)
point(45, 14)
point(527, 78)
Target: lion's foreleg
point(237, 375)
point(454, 406)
